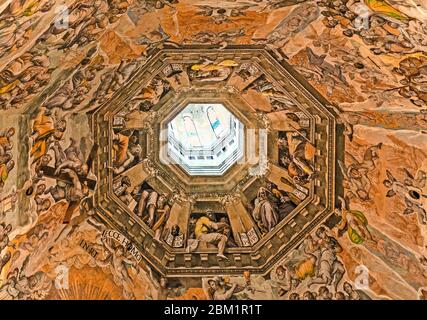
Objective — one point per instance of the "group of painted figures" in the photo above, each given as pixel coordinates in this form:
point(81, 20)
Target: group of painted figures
point(312, 271)
point(60, 169)
point(270, 205)
point(296, 155)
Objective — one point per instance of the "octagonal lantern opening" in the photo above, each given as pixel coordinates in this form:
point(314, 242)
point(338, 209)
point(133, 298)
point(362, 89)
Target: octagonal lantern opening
point(205, 139)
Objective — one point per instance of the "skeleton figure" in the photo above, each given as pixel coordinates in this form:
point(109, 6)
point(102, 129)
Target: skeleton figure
point(356, 174)
point(410, 191)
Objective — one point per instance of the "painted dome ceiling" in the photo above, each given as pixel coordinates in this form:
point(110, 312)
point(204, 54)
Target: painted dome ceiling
point(155, 148)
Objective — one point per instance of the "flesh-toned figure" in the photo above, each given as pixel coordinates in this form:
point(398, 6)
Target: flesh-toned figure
point(45, 131)
point(148, 202)
point(118, 260)
point(73, 160)
point(162, 216)
point(330, 270)
point(211, 71)
point(354, 222)
point(206, 230)
point(264, 212)
point(218, 290)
